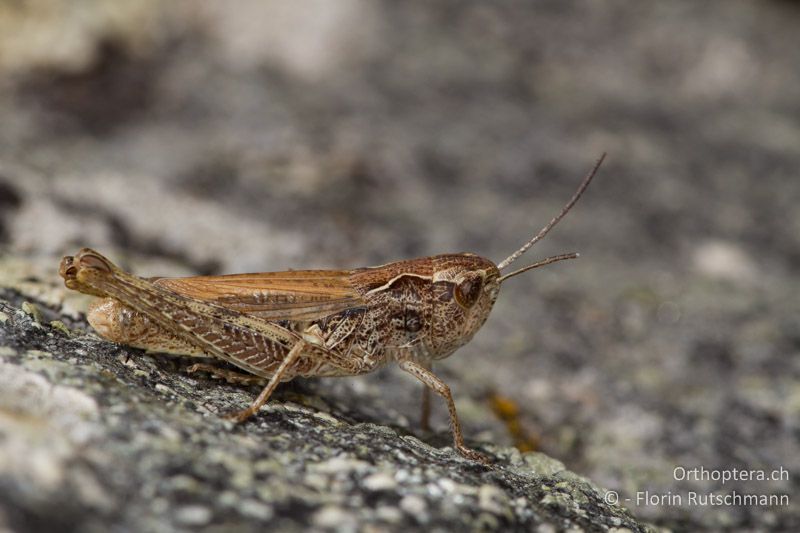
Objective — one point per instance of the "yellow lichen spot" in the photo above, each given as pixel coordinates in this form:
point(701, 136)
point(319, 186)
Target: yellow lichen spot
point(33, 311)
point(60, 326)
point(507, 410)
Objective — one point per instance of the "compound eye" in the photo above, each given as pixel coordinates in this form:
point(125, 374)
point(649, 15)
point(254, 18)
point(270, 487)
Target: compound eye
point(467, 291)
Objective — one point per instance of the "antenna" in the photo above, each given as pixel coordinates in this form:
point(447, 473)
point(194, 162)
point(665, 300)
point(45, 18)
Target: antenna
point(544, 231)
point(538, 264)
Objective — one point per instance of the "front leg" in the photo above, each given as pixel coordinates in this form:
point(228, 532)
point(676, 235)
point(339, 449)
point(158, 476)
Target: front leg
point(440, 387)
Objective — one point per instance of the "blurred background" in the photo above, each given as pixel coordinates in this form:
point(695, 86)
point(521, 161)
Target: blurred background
point(199, 137)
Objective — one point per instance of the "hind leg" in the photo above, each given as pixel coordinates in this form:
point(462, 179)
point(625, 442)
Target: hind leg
point(119, 323)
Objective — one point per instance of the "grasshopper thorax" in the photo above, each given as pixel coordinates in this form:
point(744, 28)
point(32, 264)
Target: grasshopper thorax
point(432, 305)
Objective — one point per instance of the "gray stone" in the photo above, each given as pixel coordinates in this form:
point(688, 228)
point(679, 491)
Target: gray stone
point(181, 140)
point(117, 448)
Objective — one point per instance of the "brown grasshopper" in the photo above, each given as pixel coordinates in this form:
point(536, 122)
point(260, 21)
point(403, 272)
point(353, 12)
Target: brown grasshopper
point(279, 325)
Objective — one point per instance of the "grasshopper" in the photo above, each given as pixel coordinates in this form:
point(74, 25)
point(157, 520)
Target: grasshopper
point(279, 325)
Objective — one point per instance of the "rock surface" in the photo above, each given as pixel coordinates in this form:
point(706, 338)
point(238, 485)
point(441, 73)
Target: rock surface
point(95, 437)
point(183, 137)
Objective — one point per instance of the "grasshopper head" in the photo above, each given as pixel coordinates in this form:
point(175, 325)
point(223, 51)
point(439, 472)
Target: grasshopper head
point(465, 287)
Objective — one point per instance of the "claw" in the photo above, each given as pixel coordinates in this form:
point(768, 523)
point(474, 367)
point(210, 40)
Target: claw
point(240, 416)
point(474, 456)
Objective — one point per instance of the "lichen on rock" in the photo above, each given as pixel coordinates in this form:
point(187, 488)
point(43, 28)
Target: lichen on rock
point(115, 438)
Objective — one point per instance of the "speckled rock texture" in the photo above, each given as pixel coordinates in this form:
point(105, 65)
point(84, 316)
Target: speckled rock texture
point(98, 437)
point(187, 137)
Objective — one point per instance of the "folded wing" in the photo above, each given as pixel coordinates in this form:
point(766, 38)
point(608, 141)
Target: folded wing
point(296, 295)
